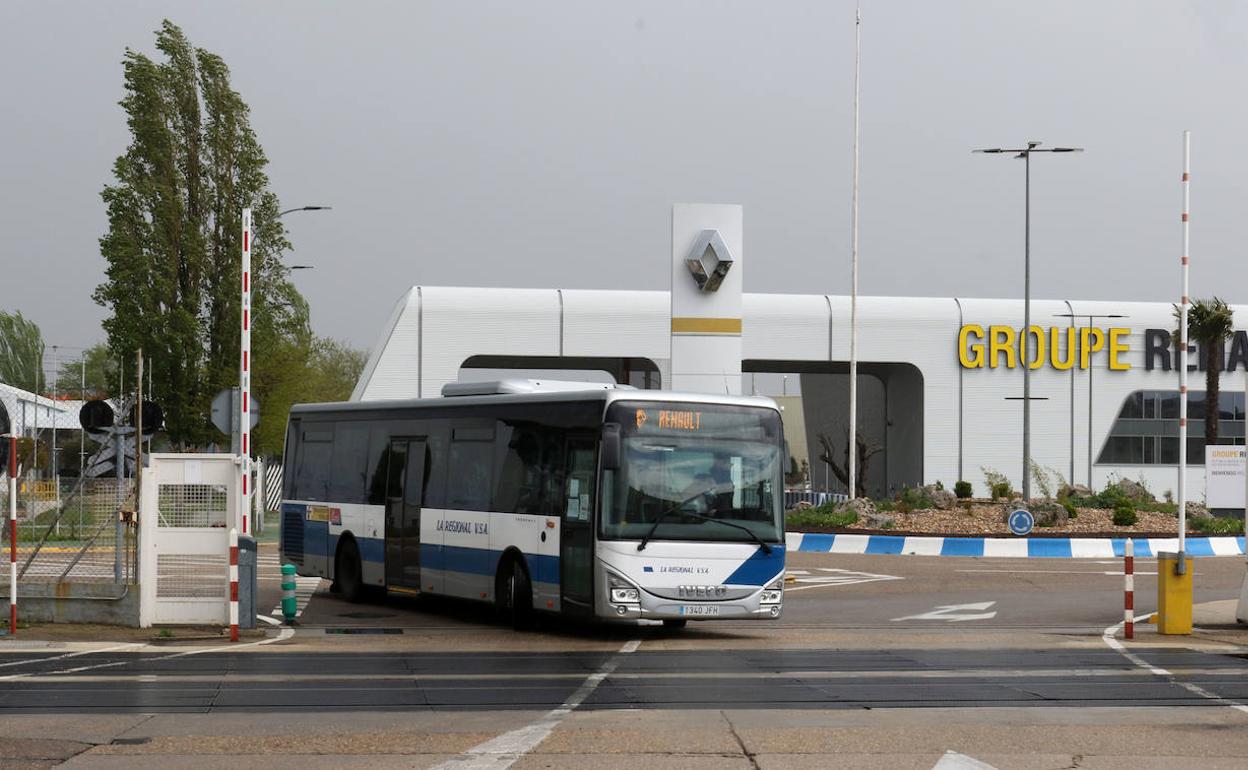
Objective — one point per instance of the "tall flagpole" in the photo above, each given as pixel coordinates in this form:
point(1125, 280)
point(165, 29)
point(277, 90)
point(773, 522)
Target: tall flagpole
point(1182, 355)
point(852, 460)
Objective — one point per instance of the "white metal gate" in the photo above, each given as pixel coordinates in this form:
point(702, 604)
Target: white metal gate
point(188, 504)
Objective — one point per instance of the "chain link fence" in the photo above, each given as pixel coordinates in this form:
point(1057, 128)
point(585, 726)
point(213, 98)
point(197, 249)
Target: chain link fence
point(72, 531)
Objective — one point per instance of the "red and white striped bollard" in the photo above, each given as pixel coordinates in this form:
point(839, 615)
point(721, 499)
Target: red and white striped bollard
point(233, 585)
point(1128, 611)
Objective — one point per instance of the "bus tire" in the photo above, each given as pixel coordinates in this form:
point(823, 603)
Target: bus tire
point(514, 594)
point(347, 567)
point(675, 622)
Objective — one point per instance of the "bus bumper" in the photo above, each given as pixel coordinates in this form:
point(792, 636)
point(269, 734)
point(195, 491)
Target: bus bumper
point(661, 608)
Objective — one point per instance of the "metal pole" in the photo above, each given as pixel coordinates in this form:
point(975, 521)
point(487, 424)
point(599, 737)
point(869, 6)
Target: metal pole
point(851, 461)
point(12, 535)
point(82, 445)
point(119, 460)
point(1091, 487)
point(56, 468)
point(1181, 567)
point(1027, 330)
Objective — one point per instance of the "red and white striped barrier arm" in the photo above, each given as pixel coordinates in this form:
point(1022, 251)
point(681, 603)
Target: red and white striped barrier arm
point(12, 535)
point(233, 585)
point(244, 370)
point(1128, 571)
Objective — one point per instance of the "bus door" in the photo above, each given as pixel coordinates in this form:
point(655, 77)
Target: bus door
point(404, 497)
point(576, 538)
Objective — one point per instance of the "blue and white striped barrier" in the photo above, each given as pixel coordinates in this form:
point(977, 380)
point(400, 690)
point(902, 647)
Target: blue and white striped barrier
point(791, 499)
point(1008, 547)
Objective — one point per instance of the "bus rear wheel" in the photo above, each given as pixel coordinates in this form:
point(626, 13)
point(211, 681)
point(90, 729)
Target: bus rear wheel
point(347, 572)
point(513, 594)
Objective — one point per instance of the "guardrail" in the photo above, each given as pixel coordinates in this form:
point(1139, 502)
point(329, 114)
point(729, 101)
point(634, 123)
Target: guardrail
point(792, 498)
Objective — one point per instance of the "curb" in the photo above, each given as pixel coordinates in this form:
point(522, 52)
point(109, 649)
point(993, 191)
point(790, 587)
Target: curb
point(1006, 547)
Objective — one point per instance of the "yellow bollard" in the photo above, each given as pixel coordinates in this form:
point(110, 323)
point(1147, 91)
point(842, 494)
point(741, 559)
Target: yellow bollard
point(1174, 595)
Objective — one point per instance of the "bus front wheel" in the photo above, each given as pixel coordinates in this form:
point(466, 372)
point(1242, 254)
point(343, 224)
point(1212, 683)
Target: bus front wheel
point(514, 594)
point(347, 572)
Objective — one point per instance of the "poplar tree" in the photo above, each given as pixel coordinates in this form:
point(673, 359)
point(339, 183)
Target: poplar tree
point(174, 235)
point(21, 352)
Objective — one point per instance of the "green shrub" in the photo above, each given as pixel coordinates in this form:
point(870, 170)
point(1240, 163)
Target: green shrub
point(998, 484)
point(962, 489)
point(913, 499)
point(1071, 510)
point(825, 516)
point(1125, 515)
point(1216, 526)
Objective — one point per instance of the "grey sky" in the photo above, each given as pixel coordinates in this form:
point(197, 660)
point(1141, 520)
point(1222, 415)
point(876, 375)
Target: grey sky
point(543, 143)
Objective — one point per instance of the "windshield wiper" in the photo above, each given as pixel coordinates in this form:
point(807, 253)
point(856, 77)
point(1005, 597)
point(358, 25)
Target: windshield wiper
point(676, 509)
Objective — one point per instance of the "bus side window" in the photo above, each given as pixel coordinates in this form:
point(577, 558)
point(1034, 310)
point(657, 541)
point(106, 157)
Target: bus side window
point(579, 497)
point(470, 483)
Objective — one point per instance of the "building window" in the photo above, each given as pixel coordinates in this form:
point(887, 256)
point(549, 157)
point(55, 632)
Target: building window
point(1147, 430)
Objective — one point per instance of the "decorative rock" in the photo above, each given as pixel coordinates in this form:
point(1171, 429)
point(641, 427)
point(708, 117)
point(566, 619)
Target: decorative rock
point(1049, 514)
point(1076, 490)
point(861, 506)
point(943, 499)
point(1197, 510)
point(1135, 491)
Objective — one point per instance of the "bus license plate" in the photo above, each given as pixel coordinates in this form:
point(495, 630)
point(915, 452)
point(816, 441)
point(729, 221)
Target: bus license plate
point(699, 609)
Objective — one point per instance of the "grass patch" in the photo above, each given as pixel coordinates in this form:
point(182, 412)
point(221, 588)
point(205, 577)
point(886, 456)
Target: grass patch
point(1216, 526)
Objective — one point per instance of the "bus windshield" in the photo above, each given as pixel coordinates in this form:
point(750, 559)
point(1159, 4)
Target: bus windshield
point(700, 472)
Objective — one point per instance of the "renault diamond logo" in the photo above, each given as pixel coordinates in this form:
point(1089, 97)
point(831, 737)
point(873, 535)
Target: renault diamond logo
point(709, 260)
point(641, 418)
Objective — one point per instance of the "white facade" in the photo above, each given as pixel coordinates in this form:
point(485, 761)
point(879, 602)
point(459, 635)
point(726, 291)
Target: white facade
point(29, 412)
point(966, 420)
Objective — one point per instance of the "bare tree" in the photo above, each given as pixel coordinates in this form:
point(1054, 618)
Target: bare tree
point(841, 469)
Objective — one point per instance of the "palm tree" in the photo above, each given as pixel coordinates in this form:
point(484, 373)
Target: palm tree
point(1210, 324)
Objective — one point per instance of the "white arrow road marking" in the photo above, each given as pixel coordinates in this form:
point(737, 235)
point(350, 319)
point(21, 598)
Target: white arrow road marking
point(836, 577)
point(952, 760)
point(955, 612)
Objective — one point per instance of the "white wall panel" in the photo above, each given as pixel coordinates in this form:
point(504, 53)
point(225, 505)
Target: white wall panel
point(632, 324)
point(393, 368)
point(782, 327)
point(463, 322)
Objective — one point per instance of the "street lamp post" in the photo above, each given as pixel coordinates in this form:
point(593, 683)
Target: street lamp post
point(1025, 154)
point(1091, 317)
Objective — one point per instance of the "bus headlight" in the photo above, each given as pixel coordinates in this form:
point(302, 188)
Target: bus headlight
point(622, 591)
point(773, 593)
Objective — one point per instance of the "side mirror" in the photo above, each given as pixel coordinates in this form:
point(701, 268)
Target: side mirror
point(610, 447)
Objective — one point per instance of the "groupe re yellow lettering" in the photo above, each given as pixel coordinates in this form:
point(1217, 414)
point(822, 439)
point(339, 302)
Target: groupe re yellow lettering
point(680, 420)
point(1060, 347)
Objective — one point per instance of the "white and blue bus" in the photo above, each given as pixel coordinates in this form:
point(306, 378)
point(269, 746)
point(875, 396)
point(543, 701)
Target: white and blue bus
point(575, 498)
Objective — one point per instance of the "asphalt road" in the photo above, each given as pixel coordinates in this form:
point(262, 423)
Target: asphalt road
point(891, 660)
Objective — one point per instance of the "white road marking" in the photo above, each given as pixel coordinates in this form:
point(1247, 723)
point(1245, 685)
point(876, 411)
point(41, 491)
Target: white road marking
point(837, 577)
point(283, 635)
point(502, 752)
point(955, 612)
point(1108, 637)
point(1051, 572)
point(70, 655)
point(952, 760)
